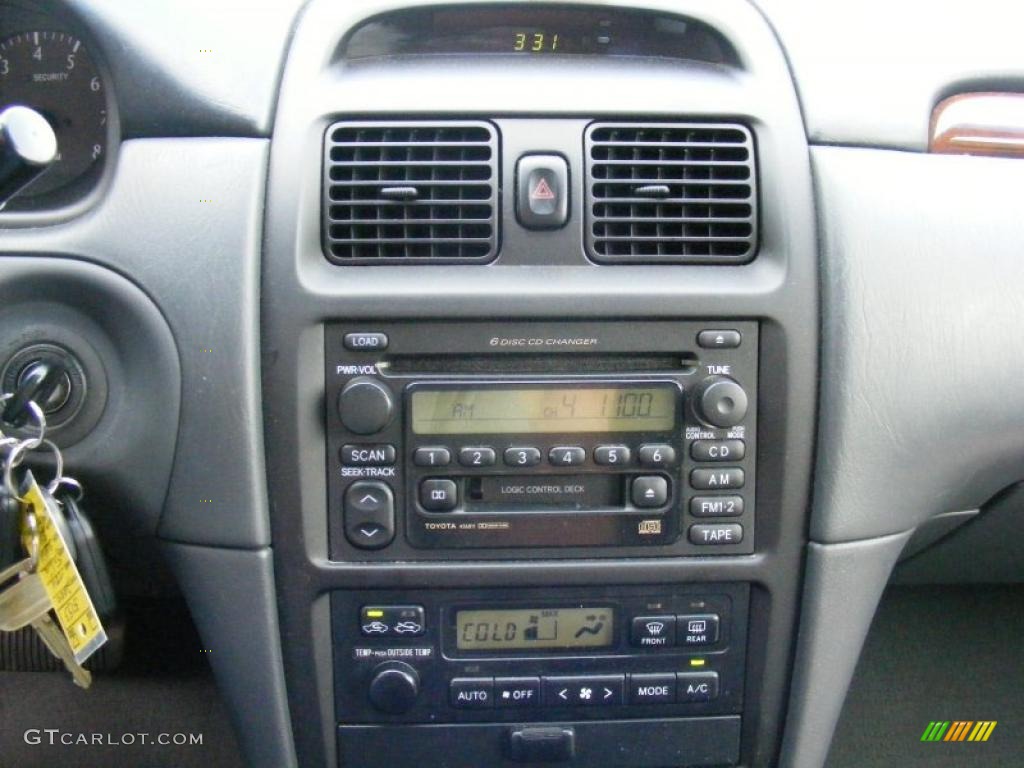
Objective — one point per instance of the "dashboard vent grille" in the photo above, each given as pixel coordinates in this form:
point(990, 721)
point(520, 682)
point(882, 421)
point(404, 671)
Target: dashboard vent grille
point(403, 192)
point(676, 193)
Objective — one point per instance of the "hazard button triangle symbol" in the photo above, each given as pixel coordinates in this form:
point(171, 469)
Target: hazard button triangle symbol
point(542, 191)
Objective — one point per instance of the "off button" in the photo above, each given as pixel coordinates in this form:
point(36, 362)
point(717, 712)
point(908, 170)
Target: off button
point(518, 692)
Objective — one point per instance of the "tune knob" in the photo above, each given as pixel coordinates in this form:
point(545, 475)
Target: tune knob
point(394, 687)
point(365, 406)
point(720, 402)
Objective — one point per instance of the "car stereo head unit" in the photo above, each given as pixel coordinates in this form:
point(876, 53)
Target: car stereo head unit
point(488, 438)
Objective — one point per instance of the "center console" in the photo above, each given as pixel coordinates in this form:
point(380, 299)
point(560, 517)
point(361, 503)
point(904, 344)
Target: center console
point(540, 357)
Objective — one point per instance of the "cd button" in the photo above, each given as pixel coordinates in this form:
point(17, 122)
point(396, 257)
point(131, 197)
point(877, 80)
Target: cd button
point(476, 457)
point(650, 492)
point(431, 457)
point(656, 455)
point(611, 455)
point(522, 456)
point(567, 456)
point(717, 450)
point(439, 495)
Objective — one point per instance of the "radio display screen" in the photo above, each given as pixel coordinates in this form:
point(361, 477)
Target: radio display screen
point(541, 410)
point(534, 628)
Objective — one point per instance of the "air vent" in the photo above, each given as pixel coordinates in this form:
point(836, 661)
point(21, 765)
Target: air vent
point(676, 193)
point(410, 192)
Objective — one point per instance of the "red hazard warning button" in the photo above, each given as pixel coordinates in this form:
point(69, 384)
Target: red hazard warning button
point(542, 194)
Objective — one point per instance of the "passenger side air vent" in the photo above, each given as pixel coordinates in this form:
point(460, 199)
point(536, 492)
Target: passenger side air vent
point(676, 193)
point(404, 192)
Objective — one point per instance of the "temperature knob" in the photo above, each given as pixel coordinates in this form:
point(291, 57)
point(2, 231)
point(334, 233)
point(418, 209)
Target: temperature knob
point(720, 402)
point(365, 406)
point(394, 687)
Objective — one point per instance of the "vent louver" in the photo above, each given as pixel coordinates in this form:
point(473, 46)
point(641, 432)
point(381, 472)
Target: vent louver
point(402, 192)
point(671, 193)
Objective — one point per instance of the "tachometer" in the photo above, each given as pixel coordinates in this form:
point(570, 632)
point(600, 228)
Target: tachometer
point(52, 73)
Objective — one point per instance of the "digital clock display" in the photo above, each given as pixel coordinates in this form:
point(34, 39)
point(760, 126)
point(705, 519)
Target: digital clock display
point(525, 629)
point(534, 42)
point(544, 410)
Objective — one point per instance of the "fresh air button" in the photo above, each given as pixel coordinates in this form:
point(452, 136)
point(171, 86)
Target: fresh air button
point(588, 691)
point(367, 455)
point(653, 631)
point(650, 492)
point(726, 533)
point(717, 450)
point(439, 495)
point(476, 456)
point(542, 191)
point(391, 620)
point(567, 456)
point(432, 457)
point(717, 479)
point(698, 630)
point(517, 692)
point(716, 506)
point(611, 455)
point(693, 687)
point(652, 689)
point(472, 692)
point(719, 339)
point(656, 455)
point(362, 341)
point(522, 456)
point(369, 515)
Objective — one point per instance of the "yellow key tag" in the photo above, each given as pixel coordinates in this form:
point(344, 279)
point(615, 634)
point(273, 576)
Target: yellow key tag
point(71, 602)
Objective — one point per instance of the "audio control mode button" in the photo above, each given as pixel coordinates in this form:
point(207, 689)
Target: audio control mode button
point(567, 456)
point(716, 506)
point(726, 533)
point(653, 631)
point(522, 456)
point(476, 456)
point(439, 495)
point(656, 455)
point(717, 479)
point(611, 455)
point(650, 492)
point(369, 515)
point(718, 450)
point(432, 457)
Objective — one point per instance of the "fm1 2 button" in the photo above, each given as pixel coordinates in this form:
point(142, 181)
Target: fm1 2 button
point(653, 631)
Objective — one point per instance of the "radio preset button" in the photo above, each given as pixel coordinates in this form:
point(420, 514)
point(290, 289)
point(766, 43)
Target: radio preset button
point(518, 692)
point(567, 456)
point(652, 689)
point(653, 631)
point(656, 455)
point(585, 691)
point(611, 455)
point(698, 629)
point(439, 495)
point(476, 457)
point(718, 450)
point(717, 479)
point(694, 687)
point(716, 506)
point(472, 692)
point(726, 533)
point(649, 492)
point(432, 457)
point(368, 455)
point(522, 456)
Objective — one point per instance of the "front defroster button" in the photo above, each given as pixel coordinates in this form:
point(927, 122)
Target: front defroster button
point(653, 631)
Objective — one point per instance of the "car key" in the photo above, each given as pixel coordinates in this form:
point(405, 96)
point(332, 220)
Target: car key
point(10, 530)
point(92, 564)
point(26, 603)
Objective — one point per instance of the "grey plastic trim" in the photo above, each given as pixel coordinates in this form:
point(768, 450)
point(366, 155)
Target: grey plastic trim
point(231, 596)
point(183, 219)
point(842, 586)
point(921, 405)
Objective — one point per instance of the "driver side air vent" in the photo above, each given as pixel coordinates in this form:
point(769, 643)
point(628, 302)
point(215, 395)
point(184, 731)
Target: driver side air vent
point(410, 192)
point(679, 193)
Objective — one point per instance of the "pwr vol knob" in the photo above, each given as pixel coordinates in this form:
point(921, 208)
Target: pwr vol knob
point(365, 406)
point(720, 402)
